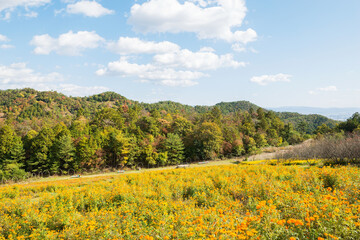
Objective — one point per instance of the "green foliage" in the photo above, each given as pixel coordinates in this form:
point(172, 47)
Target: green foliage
point(108, 117)
point(63, 153)
point(118, 148)
point(323, 129)
point(149, 156)
point(162, 158)
point(231, 107)
point(174, 148)
point(12, 153)
point(329, 180)
point(181, 126)
point(260, 140)
point(210, 137)
point(40, 151)
point(309, 123)
point(250, 145)
point(352, 124)
point(85, 152)
point(50, 132)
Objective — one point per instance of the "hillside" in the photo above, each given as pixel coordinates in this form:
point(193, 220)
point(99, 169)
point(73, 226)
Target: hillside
point(306, 123)
point(48, 132)
point(28, 104)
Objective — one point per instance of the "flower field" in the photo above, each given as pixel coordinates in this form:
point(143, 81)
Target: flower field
point(219, 202)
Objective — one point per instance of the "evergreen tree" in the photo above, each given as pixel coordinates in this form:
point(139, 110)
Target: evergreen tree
point(85, 152)
point(11, 153)
point(62, 153)
point(174, 148)
point(40, 150)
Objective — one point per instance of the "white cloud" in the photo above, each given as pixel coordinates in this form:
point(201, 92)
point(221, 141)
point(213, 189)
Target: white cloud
point(237, 47)
point(171, 65)
point(31, 14)
point(4, 38)
point(127, 45)
point(213, 19)
point(10, 5)
point(266, 79)
point(125, 68)
point(6, 46)
point(88, 8)
point(6, 16)
point(150, 72)
point(324, 89)
point(204, 59)
point(70, 43)
point(328, 89)
point(311, 92)
point(20, 73)
point(170, 54)
point(76, 90)
point(179, 83)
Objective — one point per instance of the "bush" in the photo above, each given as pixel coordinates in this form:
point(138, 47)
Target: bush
point(13, 172)
point(329, 181)
point(336, 150)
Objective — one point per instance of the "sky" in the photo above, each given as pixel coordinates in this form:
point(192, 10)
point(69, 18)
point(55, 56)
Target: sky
point(197, 52)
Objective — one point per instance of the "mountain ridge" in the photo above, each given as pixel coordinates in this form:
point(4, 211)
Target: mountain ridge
point(27, 103)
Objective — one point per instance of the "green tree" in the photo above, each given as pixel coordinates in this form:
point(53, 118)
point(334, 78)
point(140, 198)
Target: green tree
point(162, 158)
point(85, 152)
point(148, 125)
point(108, 117)
point(210, 137)
point(63, 153)
point(149, 155)
point(40, 150)
point(216, 115)
point(118, 148)
point(175, 148)
point(260, 140)
point(79, 127)
point(11, 153)
point(238, 147)
point(323, 129)
point(273, 138)
point(182, 126)
point(250, 145)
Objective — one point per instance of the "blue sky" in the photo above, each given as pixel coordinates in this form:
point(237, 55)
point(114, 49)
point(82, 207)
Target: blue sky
point(198, 52)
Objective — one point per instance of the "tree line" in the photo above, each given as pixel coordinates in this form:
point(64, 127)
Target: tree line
point(128, 134)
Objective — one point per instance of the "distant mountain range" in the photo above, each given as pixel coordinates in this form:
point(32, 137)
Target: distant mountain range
point(339, 114)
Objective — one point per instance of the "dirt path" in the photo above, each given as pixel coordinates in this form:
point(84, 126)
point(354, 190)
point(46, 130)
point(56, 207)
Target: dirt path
point(62, 178)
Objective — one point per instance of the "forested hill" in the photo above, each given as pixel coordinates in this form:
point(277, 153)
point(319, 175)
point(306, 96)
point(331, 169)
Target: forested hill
point(28, 104)
point(50, 132)
point(306, 123)
point(224, 107)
